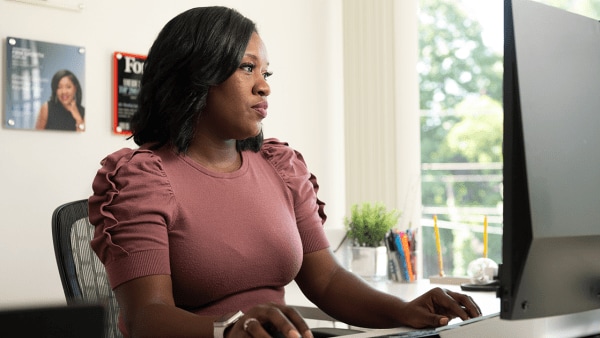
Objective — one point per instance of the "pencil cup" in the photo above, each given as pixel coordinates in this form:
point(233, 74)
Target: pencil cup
point(370, 262)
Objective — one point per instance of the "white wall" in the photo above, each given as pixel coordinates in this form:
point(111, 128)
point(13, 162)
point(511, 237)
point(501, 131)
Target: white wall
point(43, 169)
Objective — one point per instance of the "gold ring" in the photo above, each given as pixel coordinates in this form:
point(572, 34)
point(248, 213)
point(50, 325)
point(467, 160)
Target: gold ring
point(248, 321)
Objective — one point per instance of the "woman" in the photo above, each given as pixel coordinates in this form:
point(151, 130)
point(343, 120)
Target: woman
point(205, 220)
point(63, 111)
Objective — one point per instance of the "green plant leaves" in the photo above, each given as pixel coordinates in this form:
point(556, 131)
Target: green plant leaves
point(369, 222)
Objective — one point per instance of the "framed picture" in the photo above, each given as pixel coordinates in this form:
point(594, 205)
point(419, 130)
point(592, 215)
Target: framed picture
point(45, 86)
point(128, 70)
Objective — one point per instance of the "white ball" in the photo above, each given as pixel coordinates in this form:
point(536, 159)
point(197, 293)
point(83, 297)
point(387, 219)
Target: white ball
point(482, 270)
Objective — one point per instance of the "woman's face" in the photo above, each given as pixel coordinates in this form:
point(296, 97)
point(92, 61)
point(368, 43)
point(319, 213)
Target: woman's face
point(235, 108)
point(65, 92)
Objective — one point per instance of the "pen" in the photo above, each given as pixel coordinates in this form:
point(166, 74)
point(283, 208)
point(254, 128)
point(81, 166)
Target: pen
point(405, 247)
point(438, 246)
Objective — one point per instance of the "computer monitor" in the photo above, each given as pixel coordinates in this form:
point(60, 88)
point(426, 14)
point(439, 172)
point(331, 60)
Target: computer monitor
point(551, 241)
point(53, 321)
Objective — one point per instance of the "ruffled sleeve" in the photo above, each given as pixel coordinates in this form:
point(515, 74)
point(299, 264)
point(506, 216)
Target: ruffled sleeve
point(131, 207)
point(303, 186)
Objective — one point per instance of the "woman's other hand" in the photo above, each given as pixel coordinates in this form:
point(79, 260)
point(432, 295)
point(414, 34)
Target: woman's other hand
point(437, 307)
point(270, 320)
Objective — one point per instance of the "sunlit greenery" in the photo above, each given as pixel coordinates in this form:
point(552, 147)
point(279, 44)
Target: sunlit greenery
point(461, 124)
point(461, 93)
point(454, 62)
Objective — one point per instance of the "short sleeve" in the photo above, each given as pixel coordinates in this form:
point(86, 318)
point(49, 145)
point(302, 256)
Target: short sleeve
point(303, 186)
point(131, 208)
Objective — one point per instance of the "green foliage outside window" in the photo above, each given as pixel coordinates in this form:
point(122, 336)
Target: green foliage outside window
point(461, 124)
point(460, 93)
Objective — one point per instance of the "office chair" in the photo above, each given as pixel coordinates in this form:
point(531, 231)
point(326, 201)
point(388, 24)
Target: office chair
point(84, 278)
point(82, 274)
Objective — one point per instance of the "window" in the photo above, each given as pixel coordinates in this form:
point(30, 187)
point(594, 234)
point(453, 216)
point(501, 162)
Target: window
point(460, 69)
point(460, 79)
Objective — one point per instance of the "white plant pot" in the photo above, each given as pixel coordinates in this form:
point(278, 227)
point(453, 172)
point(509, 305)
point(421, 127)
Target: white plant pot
point(370, 263)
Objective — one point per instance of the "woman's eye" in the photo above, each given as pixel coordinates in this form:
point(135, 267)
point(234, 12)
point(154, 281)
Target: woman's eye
point(247, 67)
point(267, 75)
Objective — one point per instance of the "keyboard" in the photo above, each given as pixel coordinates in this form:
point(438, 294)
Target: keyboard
point(468, 322)
point(421, 333)
point(413, 334)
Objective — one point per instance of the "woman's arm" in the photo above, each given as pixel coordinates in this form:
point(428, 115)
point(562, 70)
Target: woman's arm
point(76, 114)
point(350, 299)
point(148, 310)
point(42, 118)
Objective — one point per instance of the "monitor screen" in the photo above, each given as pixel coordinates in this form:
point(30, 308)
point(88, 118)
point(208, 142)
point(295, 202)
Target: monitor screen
point(551, 242)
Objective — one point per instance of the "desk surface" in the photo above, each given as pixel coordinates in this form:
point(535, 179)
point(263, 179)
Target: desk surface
point(577, 325)
point(487, 301)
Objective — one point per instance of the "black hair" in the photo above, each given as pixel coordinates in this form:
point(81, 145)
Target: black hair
point(195, 50)
point(56, 79)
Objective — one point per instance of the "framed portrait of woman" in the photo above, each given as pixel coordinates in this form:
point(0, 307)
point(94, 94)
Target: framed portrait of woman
point(45, 86)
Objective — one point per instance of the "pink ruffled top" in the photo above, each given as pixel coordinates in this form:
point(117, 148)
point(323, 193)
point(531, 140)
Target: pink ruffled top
point(228, 240)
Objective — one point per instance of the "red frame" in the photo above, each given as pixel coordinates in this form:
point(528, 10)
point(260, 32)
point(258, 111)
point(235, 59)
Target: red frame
point(116, 83)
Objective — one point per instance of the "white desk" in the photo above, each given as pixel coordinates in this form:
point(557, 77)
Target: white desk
point(578, 325)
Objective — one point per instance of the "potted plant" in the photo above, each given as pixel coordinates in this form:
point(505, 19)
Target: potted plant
point(366, 228)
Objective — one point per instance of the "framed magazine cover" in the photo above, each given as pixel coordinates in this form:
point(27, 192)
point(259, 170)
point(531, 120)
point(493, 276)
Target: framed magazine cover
point(128, 69)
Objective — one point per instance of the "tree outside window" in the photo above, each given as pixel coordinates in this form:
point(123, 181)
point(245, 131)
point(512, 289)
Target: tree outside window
point(460, 78)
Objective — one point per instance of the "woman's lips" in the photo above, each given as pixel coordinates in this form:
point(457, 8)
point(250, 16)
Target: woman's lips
point(261, 108)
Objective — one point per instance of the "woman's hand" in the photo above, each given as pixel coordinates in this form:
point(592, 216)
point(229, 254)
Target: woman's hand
point(270, 320)
point(437, 307)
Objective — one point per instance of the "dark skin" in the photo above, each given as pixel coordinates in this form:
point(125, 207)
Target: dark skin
point(328, 284)
point(235, 110)
point(149, 309)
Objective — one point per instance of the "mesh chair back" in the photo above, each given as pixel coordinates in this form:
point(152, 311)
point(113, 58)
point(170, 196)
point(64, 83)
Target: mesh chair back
point(82, 274)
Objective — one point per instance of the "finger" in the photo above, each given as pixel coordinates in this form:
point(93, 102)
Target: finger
point(450, 306)
point(297, 321)
point(467, 304)
point(274, 320)
point(426, 310)
point(434, 320)
point(442, 321)
point(253, 327)
point(477, 308)
point(288, 323)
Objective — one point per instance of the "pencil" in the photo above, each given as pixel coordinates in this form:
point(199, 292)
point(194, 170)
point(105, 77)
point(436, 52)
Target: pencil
point(485, 236)
point(406, 248)
point(438, 246)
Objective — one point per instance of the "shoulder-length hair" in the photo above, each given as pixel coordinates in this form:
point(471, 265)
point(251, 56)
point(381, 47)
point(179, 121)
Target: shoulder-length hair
point(195, 50)
point(56, 79)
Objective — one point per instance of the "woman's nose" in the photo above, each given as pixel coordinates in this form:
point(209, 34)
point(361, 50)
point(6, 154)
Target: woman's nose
point(262, 87)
